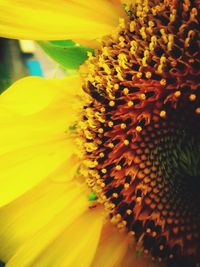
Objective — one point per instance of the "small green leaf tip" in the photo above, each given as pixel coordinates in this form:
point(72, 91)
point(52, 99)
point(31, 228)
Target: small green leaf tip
point(68, 54)
point(92, 196)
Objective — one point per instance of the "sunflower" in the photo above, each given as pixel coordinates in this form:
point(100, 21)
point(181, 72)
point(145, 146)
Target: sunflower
point(102, 169)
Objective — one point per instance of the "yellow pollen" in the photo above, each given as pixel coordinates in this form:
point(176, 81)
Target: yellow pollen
point(126, 142)
point(132, 26)
point(100, 130)
point(122, 60)
point(104, 171)
point(148, 75)
point(129, 212)
point(102, 109)
point(115, 219)
point(143, 96)
point(110, 124)
point(130, 103)
point(139, 75)
point(123, 126)
point(116, 86)
point(197, 111)
point(111, 145)
point(101, 155)
point(163, 82)
point(102, 185)
point(125, 91)
point(177, 93)
point(126, 185)
point(115, 195)
point(192, 97)
point(118, 167)
point(111, 103)
point(138, 128)
point(138, 199)
point(163, 114)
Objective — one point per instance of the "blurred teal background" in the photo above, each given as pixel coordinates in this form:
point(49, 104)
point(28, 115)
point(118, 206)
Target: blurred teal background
point(20, 59)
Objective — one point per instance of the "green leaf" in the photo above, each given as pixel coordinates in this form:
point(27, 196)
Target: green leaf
point(68, 54)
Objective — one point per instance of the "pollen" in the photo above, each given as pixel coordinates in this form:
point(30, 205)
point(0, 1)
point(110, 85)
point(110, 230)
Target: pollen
point(126, 142)
point(198, 110)
point(118, 167)
point(130, 103)
point(139, 128)
point(163, 113)
point(111, 103)
point(192, 97)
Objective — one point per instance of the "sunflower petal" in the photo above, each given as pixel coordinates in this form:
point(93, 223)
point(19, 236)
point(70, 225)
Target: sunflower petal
point(58, 20)
point(46, 204)
point(111, 249)
point(33, 94)
point(63, 243)
point(33, 138)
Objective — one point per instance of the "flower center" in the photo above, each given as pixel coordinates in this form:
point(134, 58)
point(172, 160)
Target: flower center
point(141, 124)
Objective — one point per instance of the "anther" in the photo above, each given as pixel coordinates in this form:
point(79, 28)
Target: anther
point(177, 93)
point(118, 167)
point(192, 97)
point(116, 86)
point(148, 74)
point(138, 129)
point(125, 91)
point(100, 130)
point(110, 124)
point(101, 155)
point(139, 75)
point(130, 103)
point(197, 111)
point(123, 126)
point(104, 171)
point(163, 82)
point(126, 142)
point(143, 96)
point(163, 114)
point(115, 195)
point(126, 185)
point(111, 145)
point(129, 212)
point(111, 103)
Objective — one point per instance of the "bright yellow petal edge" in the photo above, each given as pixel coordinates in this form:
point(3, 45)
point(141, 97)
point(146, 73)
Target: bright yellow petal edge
point(60, 19)
point(45, 216)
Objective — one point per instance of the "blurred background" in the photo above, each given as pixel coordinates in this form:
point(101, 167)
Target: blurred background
point(21, 58)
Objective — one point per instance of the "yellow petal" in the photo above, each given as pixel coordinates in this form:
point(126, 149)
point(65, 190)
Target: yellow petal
point(47, 204)
point(24, 168)
point(62, 243)
point(33, 139)
point(35, 110)
point(111, 249)
point(58, 19)
point(34, 94)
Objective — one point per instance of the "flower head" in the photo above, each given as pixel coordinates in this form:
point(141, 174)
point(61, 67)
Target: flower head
point(137, 131)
